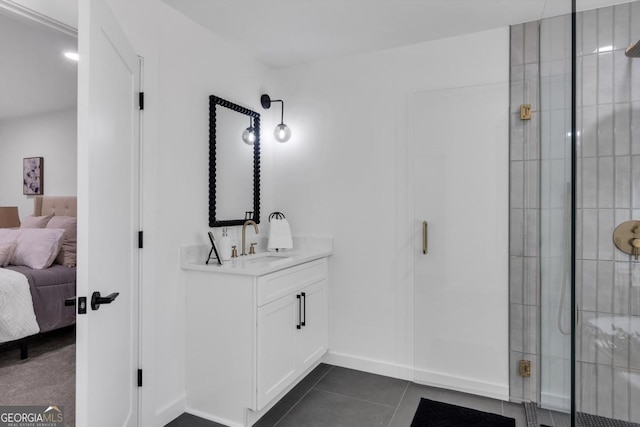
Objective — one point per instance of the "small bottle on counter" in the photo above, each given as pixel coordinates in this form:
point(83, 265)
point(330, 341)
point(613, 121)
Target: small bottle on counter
point(225, 245)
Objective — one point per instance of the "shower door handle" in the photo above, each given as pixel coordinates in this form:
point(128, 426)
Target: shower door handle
point(425, 237)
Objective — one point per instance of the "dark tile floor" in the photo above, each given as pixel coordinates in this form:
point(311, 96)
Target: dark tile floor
point(331, 396)
point(552, 418)
point(559, 419)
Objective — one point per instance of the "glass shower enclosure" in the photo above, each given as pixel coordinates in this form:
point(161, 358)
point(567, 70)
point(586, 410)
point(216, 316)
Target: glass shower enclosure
point(589, 187)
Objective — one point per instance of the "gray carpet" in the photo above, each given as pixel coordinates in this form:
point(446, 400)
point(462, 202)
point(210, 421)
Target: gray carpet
point(47, 377)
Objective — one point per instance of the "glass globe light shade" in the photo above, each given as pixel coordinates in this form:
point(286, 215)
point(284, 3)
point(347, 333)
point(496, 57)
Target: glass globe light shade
point(282, 133)
point(249, 136)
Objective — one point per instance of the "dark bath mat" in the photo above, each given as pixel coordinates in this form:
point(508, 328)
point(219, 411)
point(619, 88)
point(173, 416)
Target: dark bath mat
point(437, 414)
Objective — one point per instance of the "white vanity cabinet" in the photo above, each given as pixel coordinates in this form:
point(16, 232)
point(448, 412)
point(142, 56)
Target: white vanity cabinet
point(251, 338)
point(292, 333)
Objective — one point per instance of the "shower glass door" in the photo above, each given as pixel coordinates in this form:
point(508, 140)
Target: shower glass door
point(555, 212)
point(605, 364)
point(607, 358)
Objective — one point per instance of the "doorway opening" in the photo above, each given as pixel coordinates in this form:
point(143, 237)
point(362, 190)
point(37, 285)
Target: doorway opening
point(38, 120)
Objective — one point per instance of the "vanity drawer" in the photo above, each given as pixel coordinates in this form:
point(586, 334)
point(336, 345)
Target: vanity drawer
point(276, 285)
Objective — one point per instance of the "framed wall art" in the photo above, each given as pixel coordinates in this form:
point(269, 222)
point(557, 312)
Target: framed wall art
point(32, 176)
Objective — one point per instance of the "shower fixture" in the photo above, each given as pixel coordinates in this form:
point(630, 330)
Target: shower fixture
point(626, 236)
point(633, 51)
point(282, 132)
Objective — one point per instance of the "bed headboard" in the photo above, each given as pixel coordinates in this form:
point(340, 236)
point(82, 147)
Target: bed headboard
point(59, 205)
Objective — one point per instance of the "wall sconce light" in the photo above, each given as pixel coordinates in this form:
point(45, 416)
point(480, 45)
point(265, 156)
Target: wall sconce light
point(282, 132)
point(249, 134)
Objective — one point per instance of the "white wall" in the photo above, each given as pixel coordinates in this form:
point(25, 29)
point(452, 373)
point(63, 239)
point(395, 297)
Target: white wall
point(183, 65)
point(346, 173)
point(52, 136)
point(346, 161)
point(342, 174)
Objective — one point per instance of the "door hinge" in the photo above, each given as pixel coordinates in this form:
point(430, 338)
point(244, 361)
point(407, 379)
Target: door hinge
point(525, 368)
point(139, 377)
point(140, 239)
point(141, 100)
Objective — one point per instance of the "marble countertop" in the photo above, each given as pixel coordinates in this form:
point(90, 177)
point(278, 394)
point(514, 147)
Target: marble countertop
point(306, 249)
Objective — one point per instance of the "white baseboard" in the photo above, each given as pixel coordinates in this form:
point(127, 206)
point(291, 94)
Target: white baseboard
point(466, 385)
point(171, 411)
point(210, 417)
point(369, 365)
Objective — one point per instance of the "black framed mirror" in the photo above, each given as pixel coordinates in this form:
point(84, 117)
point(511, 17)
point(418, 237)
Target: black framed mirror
point(234, 165)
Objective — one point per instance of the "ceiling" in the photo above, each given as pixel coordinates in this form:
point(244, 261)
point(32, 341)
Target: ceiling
point(282, 33)
point(35, 77)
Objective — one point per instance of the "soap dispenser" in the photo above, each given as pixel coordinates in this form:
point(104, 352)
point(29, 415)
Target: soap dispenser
point(225, 245)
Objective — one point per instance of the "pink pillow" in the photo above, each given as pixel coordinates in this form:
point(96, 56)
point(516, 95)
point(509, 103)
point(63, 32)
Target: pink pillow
point(6, 252)
point(37, 247)
point(8, 235)
point(36, 221)
point(69, 224)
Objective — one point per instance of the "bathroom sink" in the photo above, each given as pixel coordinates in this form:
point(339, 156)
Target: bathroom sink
point(266, 258)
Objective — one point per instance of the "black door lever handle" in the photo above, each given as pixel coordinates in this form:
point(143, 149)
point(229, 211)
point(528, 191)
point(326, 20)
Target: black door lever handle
point(96, 299)
point(70, 302)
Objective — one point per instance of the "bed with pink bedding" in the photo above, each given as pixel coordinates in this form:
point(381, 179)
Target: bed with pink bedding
point(38, 271)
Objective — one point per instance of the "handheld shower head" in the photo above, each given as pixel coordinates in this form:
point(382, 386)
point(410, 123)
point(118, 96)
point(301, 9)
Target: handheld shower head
point(633, 51)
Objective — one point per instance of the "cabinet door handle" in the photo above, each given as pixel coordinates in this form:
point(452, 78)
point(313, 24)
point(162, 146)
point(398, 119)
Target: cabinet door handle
point(299, 325)
point(425, 237)
point(304, 310)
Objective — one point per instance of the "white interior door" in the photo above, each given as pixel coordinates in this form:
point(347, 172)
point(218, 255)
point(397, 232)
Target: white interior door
point(108, 220)
point(461, 284)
